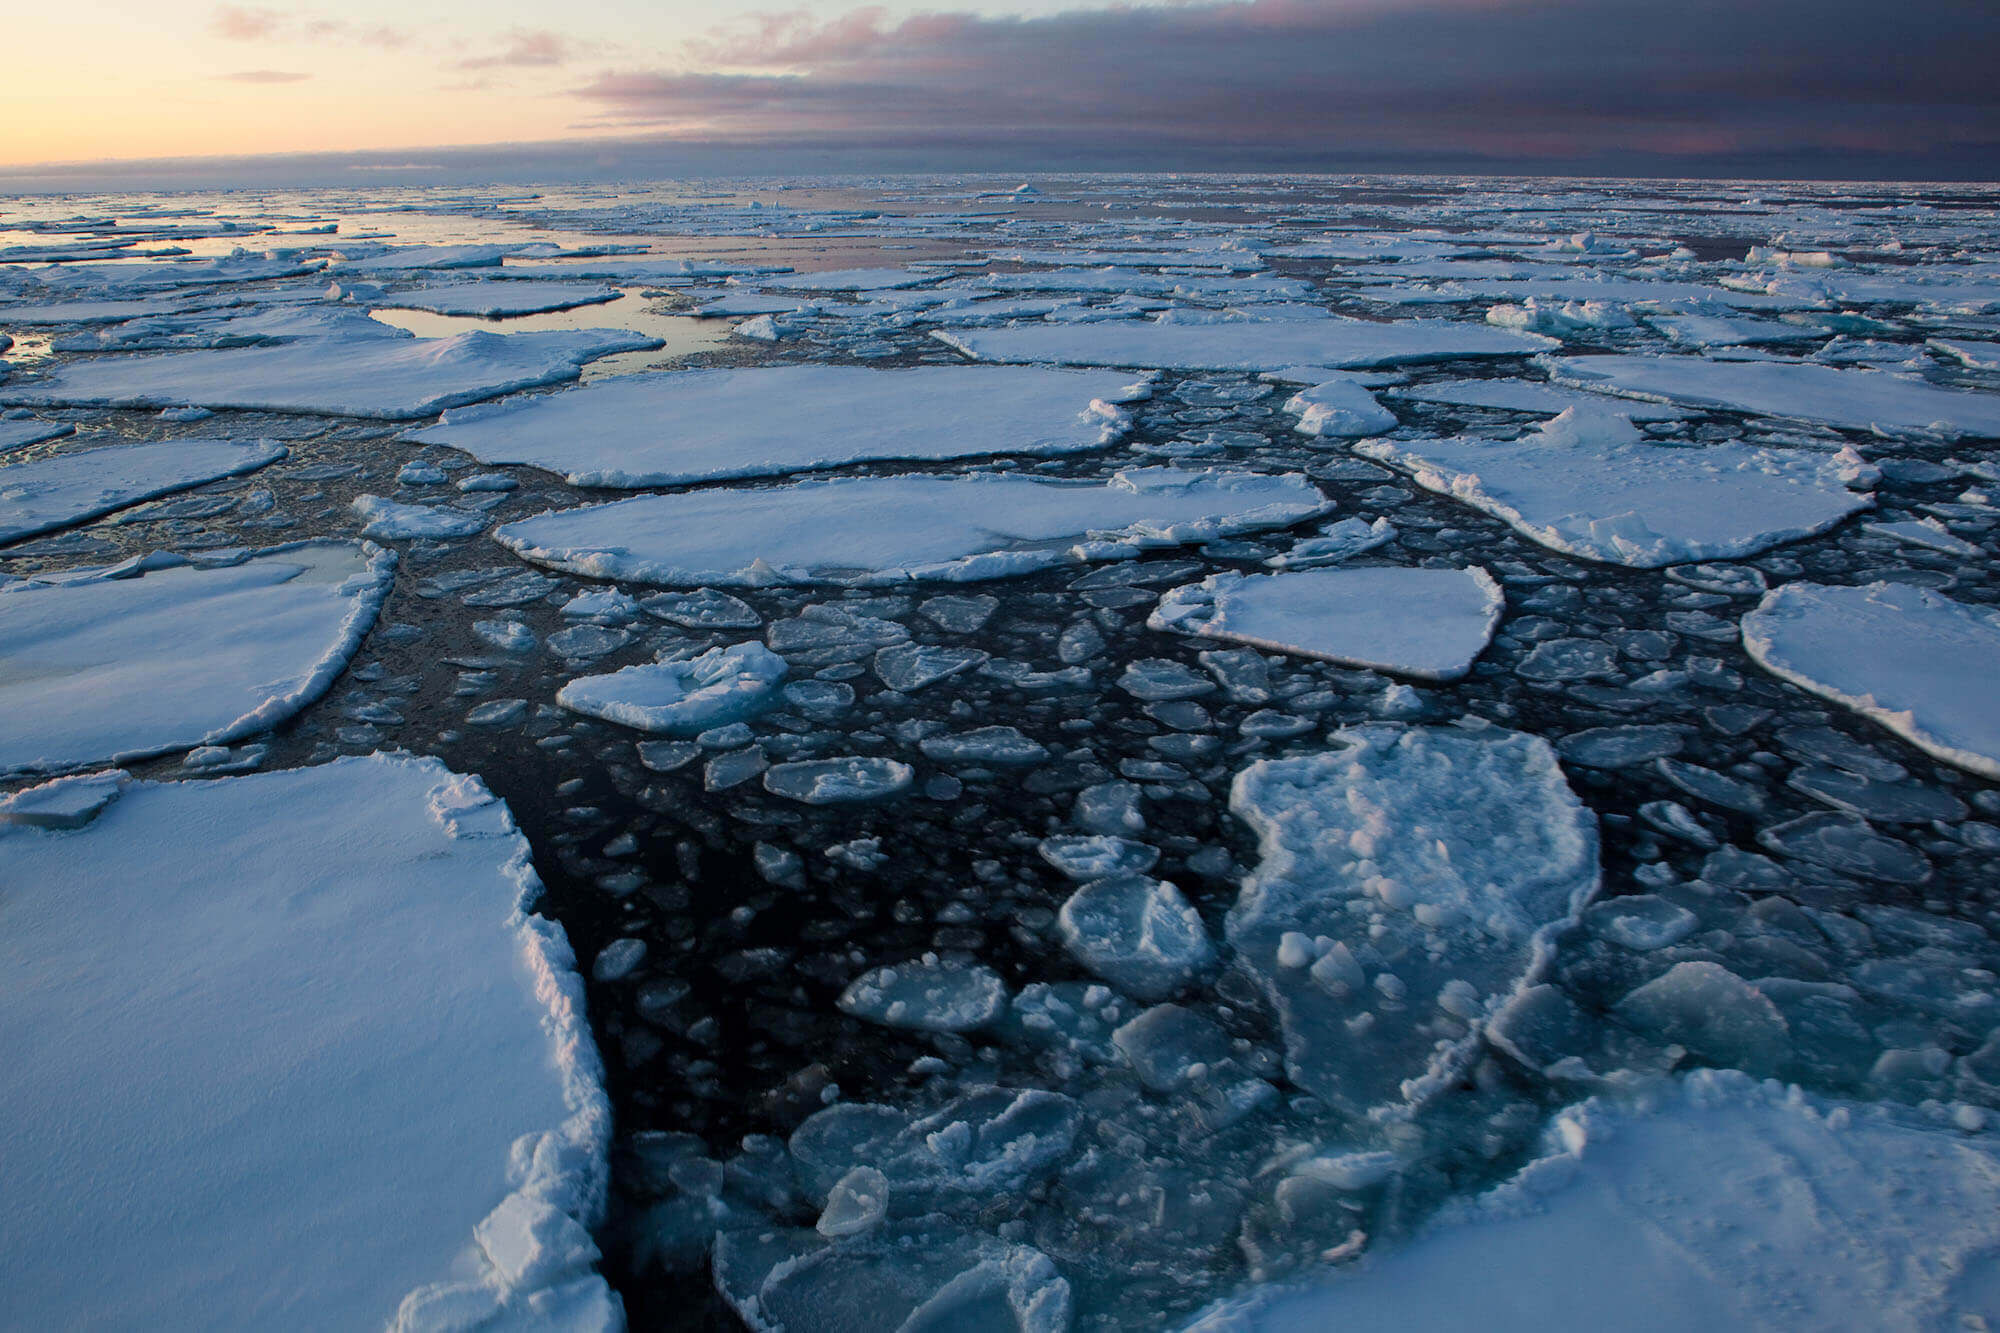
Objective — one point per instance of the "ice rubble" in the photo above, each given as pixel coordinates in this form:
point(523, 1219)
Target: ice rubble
point(876, 530)
point(1857, 399)
point(1913, 660)
point(293, 1048)
point(494, 298)
point(52, 492)
point(389, 378)
point(161, 654)
point(1243, 344)
point(1716, 1202)
point(1410, 886)
point(1590, 484)
point(682, 697)
point(1427, 623)
point(709, 425)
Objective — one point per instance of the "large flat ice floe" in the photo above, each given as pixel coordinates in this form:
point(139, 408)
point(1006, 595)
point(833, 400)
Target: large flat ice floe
point(1857, 399)
point(53, 492)
point(1913, 660)
point(1410, 884)
point(1717, 1203)
point(160, 654)
point(388, 378)
point(1590, 484)
point(1244, 344)
point(875, 530)
point(288, 1051)
point(1428, 623)
point(708, 425)
point(495, 298)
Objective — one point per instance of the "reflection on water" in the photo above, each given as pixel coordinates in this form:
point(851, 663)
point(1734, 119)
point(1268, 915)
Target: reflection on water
point(682, 334)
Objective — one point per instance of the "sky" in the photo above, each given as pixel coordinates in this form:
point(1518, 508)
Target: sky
point(373, 88)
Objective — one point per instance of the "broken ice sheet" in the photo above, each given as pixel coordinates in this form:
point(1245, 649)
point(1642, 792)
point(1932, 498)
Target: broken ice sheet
point(865, 531)
point(709, 425)
point(1427, 623)
point(1410, 884)
point(159, 654)
point(1590, 484)
point(54, 491)
point(1244, 344)
point(682, 697)
point(412, 1023)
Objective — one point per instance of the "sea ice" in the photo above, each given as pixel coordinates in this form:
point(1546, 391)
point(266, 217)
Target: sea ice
point(1427, 623)
point(1411, 884)
point(494, 298)
point(682, 697)
point(928, 994)
point(879, 530)
point(1137, 933)
point(387, 520)
point(1590, 484)
point(17, 434)
point(1908, 658)
point(1339, 407)
point(157, 654)
point(839, 781)
point(329, 1069)
point(1244, 344)
point(52, 492)
point(709, 425)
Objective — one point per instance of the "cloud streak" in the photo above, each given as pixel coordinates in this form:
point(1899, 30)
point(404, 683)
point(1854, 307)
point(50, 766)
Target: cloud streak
point(266, 76)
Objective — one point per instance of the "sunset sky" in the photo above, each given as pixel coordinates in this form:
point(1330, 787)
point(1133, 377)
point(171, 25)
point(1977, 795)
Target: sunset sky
point(1515, 81)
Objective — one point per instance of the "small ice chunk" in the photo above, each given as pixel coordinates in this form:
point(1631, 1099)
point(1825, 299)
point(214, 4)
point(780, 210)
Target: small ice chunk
point(1094, 856)
point(1340, 408)
point(388, 520)
point(927, 995)
point(682, 697)
point(1137, 933)
point(857, 1203)
point(839, 781)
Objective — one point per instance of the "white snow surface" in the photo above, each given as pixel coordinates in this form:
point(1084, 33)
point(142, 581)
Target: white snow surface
point(55, 491)
point(390, 378)
point(494, 298)
point(1427, 623)
point(1589, 483)
point(21, 433)
point(390, 521)
point(1913, 660)
point(877, 530)
point(1243, 344)
point(720, 686)
point(158, 654)
point(1716, 1202)
point(288, 1051)
point(709, 425)
point(1339, 407)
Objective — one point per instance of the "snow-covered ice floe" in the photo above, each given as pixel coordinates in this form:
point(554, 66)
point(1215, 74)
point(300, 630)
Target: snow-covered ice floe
point(709, 425)
point(1590, 484)
point(390, 521)
point(292, 1046)
point(158, 653)
point(875, 530)
point(1913, 660)
point(1410, 885)
point(1715, 1202)
point(495, 298)
point(1428, 623)
point(720, 686)
point(1339, 407)
point(44, 494)
point(1857, 399)
point(1244, 344)
point(388, 378)
point(18, 434)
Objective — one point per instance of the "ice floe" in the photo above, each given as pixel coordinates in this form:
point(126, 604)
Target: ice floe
point(1137, 933)
point(329, 1068)
point(1339, 407)
point(388, 520)
point(162, 654)
point(1428, 623)
point(19, 433)
point(495, 299)
point(1244, 344)
point(875, 530)
point(708, 425)
point(55, 491)
point(682, 696)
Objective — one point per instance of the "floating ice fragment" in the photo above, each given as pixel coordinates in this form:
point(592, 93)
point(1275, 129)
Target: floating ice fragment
point(55, 491)
point(928, 995)
point(839, 781)
point(1244, 345)
point(389, 521)
point(682, 697)
point(1339, 408)
point(1137, 933)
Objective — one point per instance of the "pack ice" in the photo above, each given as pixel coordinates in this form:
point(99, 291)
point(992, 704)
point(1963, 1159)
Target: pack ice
point(292, 1046)
point(53, 492)
point(1410, 884)
point(1913, 660)
point(1428, 623)
point(708, 425)
point(157, 654)
point(389, 378)
point(1717, 1202)
point(1590, 484)
point(1243, 344)
point(862, 531)
point(720, 686)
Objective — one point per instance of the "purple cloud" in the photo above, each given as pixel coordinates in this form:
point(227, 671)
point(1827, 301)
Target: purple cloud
point(525, 50)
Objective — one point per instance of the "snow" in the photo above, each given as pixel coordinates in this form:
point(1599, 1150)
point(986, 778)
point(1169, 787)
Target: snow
point(876, 530)
point(1427, 623)
point(308, 1080)
point(1910, 659)
point(494, 298)
point(1717, 1202)
point(161, 654)
point(1591, 485)
point(386, 378)
point(1411, 883)
point(683, 697)
point(1339, 407)
point(52, 492)
point(17, 434)
point(709, 425)
point(387, 520)
point(1857, 399)
point(1243, 344)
